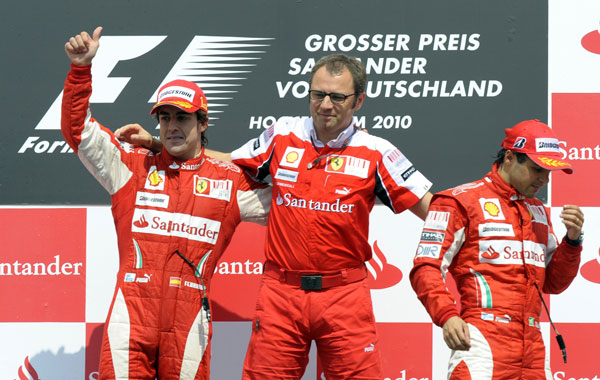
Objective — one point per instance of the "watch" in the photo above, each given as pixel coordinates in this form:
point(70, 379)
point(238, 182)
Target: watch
point(577, 242)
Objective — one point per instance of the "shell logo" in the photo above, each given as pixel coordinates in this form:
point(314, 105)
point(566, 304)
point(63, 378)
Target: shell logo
point(292, 157)
point(155, 178)
point(491, 208)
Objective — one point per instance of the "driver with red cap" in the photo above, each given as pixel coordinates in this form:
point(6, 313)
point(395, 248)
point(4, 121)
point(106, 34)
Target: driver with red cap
point(496, 240)
point(175, 213)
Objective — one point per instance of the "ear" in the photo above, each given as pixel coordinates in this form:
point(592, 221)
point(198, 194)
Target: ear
point(509, 157)
point(359, 101)
point(202, 126)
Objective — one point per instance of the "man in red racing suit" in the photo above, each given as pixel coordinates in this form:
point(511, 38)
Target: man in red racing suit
point(497, 242)
point(326, 175)
point(174, 215)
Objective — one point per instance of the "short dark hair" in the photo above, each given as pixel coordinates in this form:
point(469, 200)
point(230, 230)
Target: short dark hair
point(521, 157)
point(202, 118)
point(335, 64)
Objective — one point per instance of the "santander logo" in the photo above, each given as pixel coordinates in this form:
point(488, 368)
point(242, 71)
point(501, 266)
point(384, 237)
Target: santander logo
point(491, 254)
point(591, 42)
point(141, 222)
point(27, 372)
point(382, 274)
point(591, 270)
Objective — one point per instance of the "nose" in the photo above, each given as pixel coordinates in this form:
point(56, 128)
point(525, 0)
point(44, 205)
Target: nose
point(326, 102)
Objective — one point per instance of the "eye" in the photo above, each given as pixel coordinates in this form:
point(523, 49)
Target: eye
point(317, 95)
point(337, 98)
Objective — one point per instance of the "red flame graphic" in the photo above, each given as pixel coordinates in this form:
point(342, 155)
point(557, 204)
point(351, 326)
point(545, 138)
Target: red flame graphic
point(591, 42)
point(385, 276)
point(591, 271)
point(29, 370)
point(141, 223)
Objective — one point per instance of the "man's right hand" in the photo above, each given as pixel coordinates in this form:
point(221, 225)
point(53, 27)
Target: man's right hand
point(82, 48)
point(456, 334)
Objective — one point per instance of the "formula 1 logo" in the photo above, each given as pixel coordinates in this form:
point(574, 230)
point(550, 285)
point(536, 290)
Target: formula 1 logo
point(215, 62)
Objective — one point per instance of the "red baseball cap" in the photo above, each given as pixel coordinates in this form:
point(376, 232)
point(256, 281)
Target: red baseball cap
point(538, 142)
point(182, 94)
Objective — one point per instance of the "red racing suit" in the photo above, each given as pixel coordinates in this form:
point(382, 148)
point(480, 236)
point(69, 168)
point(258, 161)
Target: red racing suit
point(173, 220)
point(319, 225)
point(496, 244)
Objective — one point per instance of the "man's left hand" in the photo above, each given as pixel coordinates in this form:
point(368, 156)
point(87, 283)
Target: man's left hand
point(572, 217)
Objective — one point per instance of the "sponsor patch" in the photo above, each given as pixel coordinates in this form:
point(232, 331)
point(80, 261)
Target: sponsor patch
point(520, 142)
point(537, 213)
point(155, 179)
point(175, 282)
point(144, 279)
point(212, 188)
point(491, 209)
point(467, 186)
point(545, 144)
point(286, 175)
point(347, 165)
point(502, 252)
point(505, 319)
point(194, 285)
point(178, 91)
point(292, 157)
point(396, 164)
point(432, 237)
point(151, 199)
point(429, 250)
point(256, 144)
point(408, 172)
point(185, 226)
point(437, 220)
point(496, 229)
point(129, 277)
point(487, 316)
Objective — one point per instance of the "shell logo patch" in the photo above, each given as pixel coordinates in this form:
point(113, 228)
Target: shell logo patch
point(291, 157)
point(491, 208)
point(155, 179)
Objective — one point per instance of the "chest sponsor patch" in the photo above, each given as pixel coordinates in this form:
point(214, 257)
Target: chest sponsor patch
point(432, 237)
point(286, 175)
point(175, 224)
point(496, 229)
point(503, 252)
point(155, 179)
point(429, 250)
point(491, 209)
point(537, 214)
point(212, 188)
point(347, 165)
point(291, 157)
point(151, 199)
point(437, 220)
